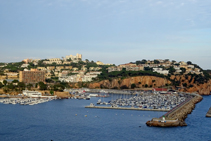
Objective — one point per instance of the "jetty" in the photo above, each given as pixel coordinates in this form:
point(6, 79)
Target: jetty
point(127, 108)
point(209, 113)
point(177, 115)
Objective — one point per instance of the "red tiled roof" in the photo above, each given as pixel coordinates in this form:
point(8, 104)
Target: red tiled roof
point(159, 89)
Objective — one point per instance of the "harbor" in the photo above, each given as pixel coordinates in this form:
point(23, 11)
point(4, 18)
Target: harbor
point(25, 101)
point(142, 100)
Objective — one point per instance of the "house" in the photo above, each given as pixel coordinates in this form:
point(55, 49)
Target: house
point(41, 68)
point(99, 63)
point(24, 65)
point(75, 69)
point(161, 71)
point(67, 62)
point(163, 90)
point(53, 60)
point(50, 67)
point(68, 67)
point(11, 74)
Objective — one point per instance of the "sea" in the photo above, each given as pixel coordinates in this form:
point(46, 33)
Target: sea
point(69, 120)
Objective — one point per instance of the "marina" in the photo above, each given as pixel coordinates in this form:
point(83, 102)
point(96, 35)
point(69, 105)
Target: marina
point(142, 100)
point(25, 101)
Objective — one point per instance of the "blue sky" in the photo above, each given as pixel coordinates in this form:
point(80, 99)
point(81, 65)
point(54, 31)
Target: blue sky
point(111, 31)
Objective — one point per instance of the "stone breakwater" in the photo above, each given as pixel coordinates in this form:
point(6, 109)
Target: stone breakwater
point(177, 116)
point(209, 113)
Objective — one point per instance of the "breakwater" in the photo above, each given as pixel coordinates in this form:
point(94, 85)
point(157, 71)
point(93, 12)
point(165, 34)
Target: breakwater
point(127, 108)
point(209, 113)
point(177, 116)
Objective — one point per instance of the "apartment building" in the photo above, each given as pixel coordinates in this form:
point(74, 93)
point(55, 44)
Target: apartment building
point(33, 76)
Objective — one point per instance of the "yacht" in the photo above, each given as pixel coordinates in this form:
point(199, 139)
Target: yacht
point(93, 95)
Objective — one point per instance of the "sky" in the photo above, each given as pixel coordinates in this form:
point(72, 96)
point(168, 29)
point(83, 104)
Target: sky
point(111, 31)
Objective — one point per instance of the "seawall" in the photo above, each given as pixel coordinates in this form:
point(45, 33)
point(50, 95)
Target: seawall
point(177, 116)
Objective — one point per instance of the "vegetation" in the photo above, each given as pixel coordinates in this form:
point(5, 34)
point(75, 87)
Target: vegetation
point(124, 74)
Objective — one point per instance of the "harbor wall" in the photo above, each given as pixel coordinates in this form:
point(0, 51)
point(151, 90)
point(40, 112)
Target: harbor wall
point(179, 114)
point(126, 108)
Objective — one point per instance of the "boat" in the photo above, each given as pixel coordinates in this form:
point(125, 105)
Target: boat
point(93, 95)
point(99, 101)
point(91, 105)
point(88, 98)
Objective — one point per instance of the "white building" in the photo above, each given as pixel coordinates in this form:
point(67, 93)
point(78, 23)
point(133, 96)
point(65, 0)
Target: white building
point(161, 71)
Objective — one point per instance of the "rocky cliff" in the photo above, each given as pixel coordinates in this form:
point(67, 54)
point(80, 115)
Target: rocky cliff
point(138, 81)
point(187, 83)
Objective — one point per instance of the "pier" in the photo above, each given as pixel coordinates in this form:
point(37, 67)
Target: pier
point(209, 113)
point(177, 115)
point(127, 108)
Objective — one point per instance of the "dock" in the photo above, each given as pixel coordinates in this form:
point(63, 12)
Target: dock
point(209, 113)
point(127, 108)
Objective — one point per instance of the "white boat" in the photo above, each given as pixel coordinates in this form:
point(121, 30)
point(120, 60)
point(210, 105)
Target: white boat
point(91, 105)
point(93, 95)
point(99, 101)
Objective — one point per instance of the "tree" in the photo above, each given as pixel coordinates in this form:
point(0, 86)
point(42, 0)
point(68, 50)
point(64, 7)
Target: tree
point(51, 92)
point(185, 84)
point(29, 86)
point(69, 59)
point(171, 70)
point(15, 81)
point(189, 63)
point(133, 86)
point(156, 62)
point(21, 85)
point(183, 70)
point(42, 86)
point(173, 61)
point(86, 60)
point(11, 86)
point(1, 85)
point(5, 82)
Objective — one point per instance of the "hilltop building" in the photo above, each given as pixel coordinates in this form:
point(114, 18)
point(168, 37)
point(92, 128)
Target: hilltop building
point(73, 58)
point(53, 60)
point(33, 76)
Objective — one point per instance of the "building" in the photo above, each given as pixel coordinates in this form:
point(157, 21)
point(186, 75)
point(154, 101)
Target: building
point(53, 60)
point(27, 61)
point(99, 63)
point(33, 76)
point(68, 67)
point(24, 65)
point(75, 59)
point(161, 71)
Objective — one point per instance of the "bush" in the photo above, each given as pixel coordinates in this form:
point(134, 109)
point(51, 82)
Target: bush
point(133, 86)
point(124, 87)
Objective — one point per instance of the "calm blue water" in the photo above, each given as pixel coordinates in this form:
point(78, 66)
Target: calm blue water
point(57, 121)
